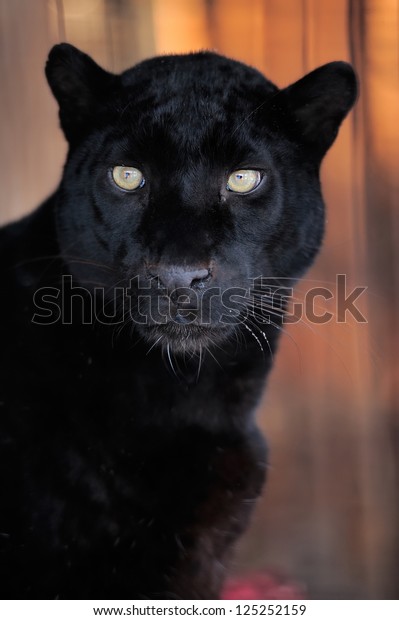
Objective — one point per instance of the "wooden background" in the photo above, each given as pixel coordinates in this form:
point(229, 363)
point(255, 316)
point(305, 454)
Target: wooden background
point(329, 517)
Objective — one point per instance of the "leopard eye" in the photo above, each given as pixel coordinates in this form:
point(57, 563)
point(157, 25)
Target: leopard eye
point(127, 177)
point(243, 181)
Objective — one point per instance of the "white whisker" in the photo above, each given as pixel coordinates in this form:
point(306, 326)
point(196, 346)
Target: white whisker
point(154, 345)
point(170, 360)
point(254, 336)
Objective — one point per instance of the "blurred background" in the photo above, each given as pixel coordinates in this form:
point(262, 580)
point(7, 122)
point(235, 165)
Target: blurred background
point(329, 516)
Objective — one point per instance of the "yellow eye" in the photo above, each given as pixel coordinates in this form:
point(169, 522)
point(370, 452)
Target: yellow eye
point(243, 181)
point(127, 178)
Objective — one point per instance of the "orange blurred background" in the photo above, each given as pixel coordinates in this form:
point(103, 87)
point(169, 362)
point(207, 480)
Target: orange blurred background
point(329, 515)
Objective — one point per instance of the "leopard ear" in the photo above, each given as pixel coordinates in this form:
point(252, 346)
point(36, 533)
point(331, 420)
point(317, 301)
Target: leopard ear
point(311, 110)
point(80, 86)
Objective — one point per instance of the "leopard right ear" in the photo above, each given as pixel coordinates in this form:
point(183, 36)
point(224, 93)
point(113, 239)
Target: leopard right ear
point(81, 88)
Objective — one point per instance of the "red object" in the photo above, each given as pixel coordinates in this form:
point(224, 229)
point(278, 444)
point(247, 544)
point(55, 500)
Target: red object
point(262, 586)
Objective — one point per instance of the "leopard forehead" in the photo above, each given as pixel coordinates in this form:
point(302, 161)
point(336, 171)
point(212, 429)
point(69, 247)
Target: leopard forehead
point(193, 88)
point(201, 73)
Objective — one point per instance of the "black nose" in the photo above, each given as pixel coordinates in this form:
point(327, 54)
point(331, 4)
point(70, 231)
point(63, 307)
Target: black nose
point(173, 277)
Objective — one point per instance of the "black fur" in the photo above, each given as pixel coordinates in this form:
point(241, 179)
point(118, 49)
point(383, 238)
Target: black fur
point(129, 456)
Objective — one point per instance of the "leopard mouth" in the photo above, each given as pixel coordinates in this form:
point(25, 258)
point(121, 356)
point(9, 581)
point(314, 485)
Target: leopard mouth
point(185, 338)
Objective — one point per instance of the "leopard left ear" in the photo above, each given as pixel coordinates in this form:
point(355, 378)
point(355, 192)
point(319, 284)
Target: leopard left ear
point(311, 110)
point(80, 86)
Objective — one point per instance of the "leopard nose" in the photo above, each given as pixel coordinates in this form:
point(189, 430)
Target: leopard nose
point(173, 277)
